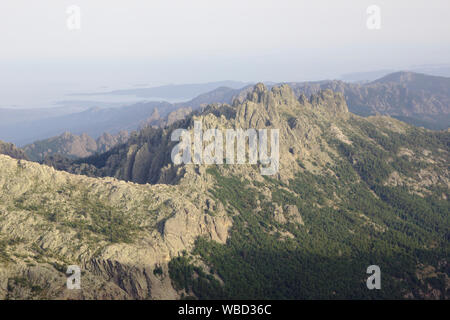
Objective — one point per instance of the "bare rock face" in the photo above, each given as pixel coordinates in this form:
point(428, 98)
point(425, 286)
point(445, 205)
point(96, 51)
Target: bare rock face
point(107, 141)
point(132, 229)
point(332, 101)
point(11, 150)
point(279, 216)
point(146, 156)
point(140, 165)
point(122, 231)
point(289, 213)
point(293, 214)
point(178, 115)
point(189, 224)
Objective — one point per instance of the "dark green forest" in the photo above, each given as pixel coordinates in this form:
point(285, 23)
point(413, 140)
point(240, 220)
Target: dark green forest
point(327, 257)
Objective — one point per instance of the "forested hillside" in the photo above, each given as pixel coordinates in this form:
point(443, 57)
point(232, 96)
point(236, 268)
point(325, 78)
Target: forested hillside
point(350, 192)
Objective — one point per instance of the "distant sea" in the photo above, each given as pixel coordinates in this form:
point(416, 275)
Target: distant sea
point(29, 96)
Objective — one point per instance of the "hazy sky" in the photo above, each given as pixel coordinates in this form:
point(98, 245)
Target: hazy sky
point(177, 41)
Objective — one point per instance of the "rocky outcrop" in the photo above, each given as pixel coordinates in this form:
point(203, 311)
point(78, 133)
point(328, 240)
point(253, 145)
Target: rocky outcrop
point(117, 232)
point(138, 211)
point(11, 150)
point(331, 101)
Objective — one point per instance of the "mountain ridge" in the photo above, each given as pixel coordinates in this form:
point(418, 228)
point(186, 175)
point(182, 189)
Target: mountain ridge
point(418, 99)
point(424, 101)
point(349, 192)
point(73, 146)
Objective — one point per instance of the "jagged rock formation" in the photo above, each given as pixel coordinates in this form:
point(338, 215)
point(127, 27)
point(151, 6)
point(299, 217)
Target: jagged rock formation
point(11, 150)
point(349, 192)
point(305, 125)
point(147, 154)
point(415, 98)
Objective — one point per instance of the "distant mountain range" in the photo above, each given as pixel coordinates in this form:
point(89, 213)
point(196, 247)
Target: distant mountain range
point(418, 99)
point(175, 91)
point(94, 122)
point(25, 126)
point(12, 116)
point(415, 98)
point(73, 146)
point(349, 192)
point(442, 70)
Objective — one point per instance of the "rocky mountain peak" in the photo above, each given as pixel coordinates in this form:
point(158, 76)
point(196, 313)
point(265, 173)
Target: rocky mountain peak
point(329, 100)
point(262, 107)
point(277, 95)
point(259, 93)
point(401, 76)
point(11, 150)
